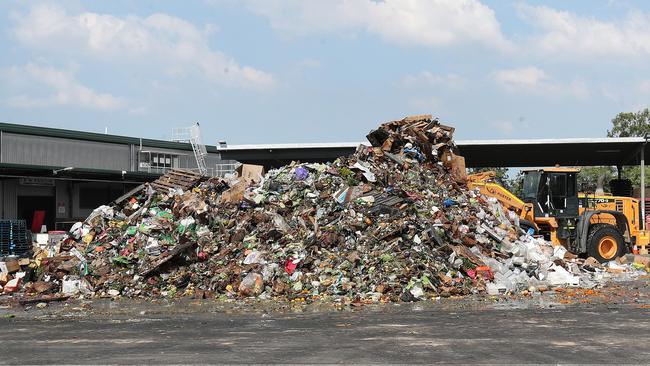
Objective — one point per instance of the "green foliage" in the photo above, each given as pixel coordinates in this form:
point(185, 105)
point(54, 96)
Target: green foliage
point(588, 177)
point(516, 184)
point(633, 173)
point(630, 124)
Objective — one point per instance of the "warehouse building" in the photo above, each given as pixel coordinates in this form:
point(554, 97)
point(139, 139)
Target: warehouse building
point(62, 175)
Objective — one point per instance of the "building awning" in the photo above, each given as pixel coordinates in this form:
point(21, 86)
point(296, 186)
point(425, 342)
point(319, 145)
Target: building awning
point(277, 155)
point(26, 170)
point(478, 153)
point(549, 152)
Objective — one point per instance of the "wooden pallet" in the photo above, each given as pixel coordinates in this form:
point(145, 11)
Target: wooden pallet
point(177, 178)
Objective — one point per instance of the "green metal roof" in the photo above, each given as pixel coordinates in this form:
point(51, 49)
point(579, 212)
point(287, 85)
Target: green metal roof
point(99, 137)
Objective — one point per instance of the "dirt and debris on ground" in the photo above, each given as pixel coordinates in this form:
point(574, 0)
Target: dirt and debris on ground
point(473, 329)
point(621, 295)
point(393, 222)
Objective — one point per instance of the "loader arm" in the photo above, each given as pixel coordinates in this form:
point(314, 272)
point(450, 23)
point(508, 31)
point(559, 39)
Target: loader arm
point(484, 182)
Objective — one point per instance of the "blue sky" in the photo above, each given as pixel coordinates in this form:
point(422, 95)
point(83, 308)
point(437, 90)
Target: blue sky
point(267, 71)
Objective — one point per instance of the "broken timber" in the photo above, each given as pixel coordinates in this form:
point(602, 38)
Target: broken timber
point(172, 254)
point(174, 179)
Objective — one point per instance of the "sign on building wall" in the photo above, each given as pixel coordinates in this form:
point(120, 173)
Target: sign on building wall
point(37, 181)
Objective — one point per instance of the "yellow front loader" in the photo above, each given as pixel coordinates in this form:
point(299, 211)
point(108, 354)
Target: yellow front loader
point(603, 227)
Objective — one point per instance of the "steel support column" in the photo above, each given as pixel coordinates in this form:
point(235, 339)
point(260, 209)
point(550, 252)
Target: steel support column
point(643, 186)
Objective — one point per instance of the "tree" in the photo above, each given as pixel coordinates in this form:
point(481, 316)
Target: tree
point(631, 124)
point(588, 177)
point(516, 184)
point(633, 173)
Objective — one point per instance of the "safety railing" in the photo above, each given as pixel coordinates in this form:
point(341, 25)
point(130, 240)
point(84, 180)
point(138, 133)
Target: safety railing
point(225, 168)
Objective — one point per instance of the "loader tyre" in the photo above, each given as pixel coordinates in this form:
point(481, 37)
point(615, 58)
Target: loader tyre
point(605, 243)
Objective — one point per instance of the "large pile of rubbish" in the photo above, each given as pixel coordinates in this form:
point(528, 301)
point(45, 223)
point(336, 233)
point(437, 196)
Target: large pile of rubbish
point(394, 221)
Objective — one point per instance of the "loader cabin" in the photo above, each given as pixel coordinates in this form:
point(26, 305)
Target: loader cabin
point(552, 191)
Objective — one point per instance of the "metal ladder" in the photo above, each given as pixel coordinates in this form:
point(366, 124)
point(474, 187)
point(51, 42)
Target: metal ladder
point(199, 149)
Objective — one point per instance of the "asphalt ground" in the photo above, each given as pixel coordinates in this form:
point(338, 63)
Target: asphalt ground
point(572, 326)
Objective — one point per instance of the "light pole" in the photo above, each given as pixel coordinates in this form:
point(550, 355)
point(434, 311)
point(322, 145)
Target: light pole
point(57, 171)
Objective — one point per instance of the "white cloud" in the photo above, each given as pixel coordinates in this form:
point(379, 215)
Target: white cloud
point(428, 79)
point(156, 41)
point(62, 89)
point(567, 34)
point(525, 77)
point(536, 81)
point(405, 22)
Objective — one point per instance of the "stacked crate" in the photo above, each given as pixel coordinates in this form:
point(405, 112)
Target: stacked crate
point(14, 238)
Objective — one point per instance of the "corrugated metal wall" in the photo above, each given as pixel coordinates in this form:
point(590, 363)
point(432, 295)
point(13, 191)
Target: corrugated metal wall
point(54, 151)
point(9, 199)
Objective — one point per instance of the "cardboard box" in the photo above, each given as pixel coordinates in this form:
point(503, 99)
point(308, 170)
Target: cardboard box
point(250, 173)
point(4, 278)
point(446, 157)
point(456, 165)
point(233, 194)
point(9, 266)
point(458, 171)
